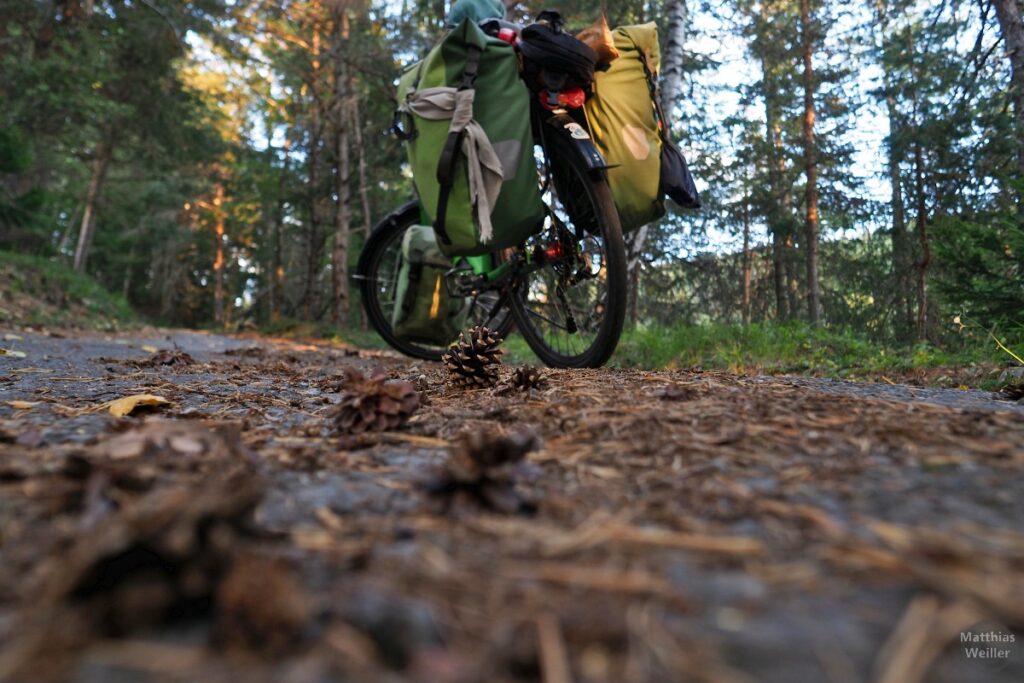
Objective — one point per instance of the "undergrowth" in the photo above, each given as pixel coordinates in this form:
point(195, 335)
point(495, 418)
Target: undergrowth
point(42, 292)
point(795, 348)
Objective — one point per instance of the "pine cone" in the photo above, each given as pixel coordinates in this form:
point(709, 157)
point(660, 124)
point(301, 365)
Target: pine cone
point(524, 379)
point(1012, 392)
point(374, 403)
point(473, 360)
point(483, 469)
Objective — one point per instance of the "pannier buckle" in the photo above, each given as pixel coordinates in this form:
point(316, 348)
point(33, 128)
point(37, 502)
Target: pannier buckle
point(402, 126)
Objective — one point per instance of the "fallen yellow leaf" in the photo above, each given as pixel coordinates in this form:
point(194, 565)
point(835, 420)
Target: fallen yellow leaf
point(22, 405)
point(11, 337)
point(12, 354)
point(150, 349)
point(128, 404)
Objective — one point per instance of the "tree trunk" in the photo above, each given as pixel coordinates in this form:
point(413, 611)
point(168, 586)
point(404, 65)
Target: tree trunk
point(922, 237)
point(900, 262)
point(778, 277)
point(98, 172)
point(218, 259)
point(342, 122)
point(780, 207)
point(811, 168)
point(364, 190)
point(792, 263)
point(1012, 28)
point(276, 261)
point(314, 238)
point(47, 30)
point(780, 213)
point(924, 258)
point(129, 270)
point(746, 260)
point(899, 221)
point(672, 57)
point(634, 253)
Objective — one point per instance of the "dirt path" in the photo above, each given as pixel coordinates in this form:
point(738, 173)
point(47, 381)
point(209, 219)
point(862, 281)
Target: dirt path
point(687, 526)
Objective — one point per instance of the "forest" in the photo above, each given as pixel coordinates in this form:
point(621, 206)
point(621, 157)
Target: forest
point(219, 162)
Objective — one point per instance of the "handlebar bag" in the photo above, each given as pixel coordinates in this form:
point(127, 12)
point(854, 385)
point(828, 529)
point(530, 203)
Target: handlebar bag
point(465, 117)
point(553, 58)
point(425, 312)
point(624, 126)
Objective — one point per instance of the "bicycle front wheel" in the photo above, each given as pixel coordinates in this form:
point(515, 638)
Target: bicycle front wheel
point(571, 309)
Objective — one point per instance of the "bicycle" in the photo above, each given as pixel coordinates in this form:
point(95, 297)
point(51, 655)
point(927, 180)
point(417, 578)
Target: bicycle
point(564, 288)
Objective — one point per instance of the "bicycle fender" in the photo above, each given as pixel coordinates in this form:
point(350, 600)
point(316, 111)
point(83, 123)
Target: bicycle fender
point(580, 139)
point(391, 218)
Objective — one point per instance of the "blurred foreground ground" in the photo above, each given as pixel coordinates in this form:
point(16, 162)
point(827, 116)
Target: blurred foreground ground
point(688, 525)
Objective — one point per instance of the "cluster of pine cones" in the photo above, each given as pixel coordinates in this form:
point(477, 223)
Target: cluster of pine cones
point(373, 403)
point(474, 361)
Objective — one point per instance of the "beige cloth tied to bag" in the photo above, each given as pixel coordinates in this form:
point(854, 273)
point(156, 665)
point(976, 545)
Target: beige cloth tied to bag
point(485, 172)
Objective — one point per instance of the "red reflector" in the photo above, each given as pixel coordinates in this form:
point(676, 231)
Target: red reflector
point(569, 99)
point(554, 251)
point(573, 99)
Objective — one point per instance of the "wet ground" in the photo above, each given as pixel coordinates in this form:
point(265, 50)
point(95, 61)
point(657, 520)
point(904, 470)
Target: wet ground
point(684, 525)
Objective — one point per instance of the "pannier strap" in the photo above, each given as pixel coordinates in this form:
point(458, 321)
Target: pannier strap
point(664, 130)
point(450, 154)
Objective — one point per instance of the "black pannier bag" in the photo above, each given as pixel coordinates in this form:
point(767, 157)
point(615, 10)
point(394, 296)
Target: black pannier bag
point(676, 181)
point(554, 59)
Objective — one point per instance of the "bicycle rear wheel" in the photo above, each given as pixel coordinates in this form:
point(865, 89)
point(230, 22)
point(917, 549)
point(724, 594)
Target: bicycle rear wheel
point(377, 273)
point(572, 309)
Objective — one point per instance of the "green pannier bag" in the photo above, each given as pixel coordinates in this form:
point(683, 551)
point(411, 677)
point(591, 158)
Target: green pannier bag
point(465, 116)
point(425, 312)
point(624, 125)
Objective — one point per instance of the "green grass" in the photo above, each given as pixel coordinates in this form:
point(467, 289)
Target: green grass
point(799, 349)
point(43, 292)
point(971, 358)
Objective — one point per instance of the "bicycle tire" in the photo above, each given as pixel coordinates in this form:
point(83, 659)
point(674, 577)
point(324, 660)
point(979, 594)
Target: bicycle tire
point(595, 186)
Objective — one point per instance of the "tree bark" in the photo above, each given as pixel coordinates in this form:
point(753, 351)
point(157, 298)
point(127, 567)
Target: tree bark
point(792, 263)
point(779, 212)
point(129, 270)
point(364, 189)
point(1012, 28)
point(811, 168)
point(98, 173)
point(899, 223)
point(900, 262)
point(672, 57)
point(218, 259)
point(47, 29)
point(746, 259)
point(924, 257)
point(922, 236)
point(342, 123)
point(314, 237)
point(276, 261)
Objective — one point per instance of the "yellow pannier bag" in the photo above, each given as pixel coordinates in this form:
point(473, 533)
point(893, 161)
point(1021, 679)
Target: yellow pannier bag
point(624, 125)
